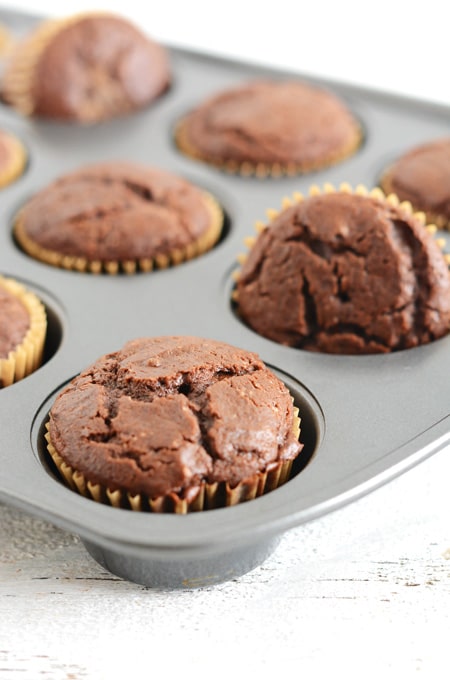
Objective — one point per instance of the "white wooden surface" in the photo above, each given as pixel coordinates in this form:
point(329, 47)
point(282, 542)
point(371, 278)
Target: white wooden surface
point(361, 593)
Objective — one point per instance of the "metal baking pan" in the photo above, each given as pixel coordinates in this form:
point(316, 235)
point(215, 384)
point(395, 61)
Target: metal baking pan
point(365, 419)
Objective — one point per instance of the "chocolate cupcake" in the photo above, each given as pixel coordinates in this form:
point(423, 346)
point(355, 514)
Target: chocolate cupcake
point(23, 327)
point(174, 424)
point(422, 176)
point(118, 216)
point(270, 128)
point(345, 273)
point(85, 68)
point(12, 158)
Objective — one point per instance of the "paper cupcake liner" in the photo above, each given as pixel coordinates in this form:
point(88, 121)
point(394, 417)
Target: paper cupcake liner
point(204, 497)
point(6, 41)
point(315, 190)
point(17, 161)
point(81, 264)
point(263, 170)
point(17, 85)
point(27, 356)
point(441, 221)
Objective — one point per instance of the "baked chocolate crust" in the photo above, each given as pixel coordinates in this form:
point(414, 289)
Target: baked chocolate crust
point(163, 415)
point(272, 122)
point(98, 67)
point(422, 176)
point(14, 322)
point(116, 211)
point(346, 274)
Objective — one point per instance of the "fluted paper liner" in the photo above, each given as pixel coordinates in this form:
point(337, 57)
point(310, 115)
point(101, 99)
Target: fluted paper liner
point(16, 162)
point(27, 356)
point(204, 497)
point(17, 86)
point(81, 264)
point(441, 221)
point(262, 170)
point(328, 188)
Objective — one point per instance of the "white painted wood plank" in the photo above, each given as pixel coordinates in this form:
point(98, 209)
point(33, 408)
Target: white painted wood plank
point(366, 589)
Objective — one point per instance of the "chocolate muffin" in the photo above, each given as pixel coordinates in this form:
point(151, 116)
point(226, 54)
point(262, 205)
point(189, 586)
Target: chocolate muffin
point(422, 176)
point(270, 128)
point(23, 328)
point(346, 274)
point(118, 216)
point(12, 158)
point(85, 68)
point(173, 424)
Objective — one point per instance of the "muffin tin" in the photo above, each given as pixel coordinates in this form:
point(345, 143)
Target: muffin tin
point(365, 419)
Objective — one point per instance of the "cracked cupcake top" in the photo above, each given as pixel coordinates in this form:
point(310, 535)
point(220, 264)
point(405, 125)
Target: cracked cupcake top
point(163, 415)
point(346, 274)
point(86, 68)
point(114, 211)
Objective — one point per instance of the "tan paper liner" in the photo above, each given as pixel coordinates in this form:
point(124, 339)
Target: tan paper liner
point(441, 221)
point(17, 85)
point(328, 188)
point(205, 497)
point(6, 41)
point(27, 356)
point(264, 170)
point(81, 264)
point(16, 162)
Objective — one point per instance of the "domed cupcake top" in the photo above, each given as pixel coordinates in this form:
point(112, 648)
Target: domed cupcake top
point(346, 274)
point(165, 415)
point(85, 68)
point(118, 215)
point(270, 127)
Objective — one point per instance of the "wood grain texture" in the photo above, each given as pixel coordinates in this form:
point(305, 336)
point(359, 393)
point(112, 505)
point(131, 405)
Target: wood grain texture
point(365, 589)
